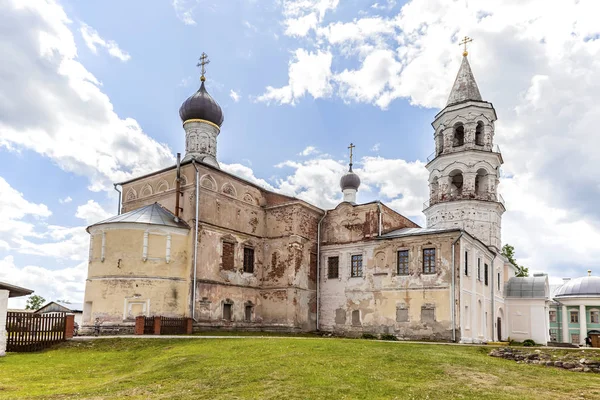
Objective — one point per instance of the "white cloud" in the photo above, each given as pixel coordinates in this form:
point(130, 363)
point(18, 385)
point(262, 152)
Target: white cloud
point(376, 147)
point(72, 122)
point(245, 172)
point(92, 38)
point(309, 150)
point(92, 212)
point(308, 73)
point(66, 200)
point(184, 9)
point(234, 95)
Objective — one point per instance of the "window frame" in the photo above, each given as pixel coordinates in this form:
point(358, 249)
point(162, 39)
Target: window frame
point(486, 269)
point(466, 263)
point(405, 262)
point(358, 273)
point(248, 265)
point(597, 314)
point(429, 257)
point(337, 267)
point(223, 244)
point(573, 316)
point(551, 314)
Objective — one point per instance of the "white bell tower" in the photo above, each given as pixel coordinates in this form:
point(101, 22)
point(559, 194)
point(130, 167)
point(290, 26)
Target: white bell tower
point(464, 170)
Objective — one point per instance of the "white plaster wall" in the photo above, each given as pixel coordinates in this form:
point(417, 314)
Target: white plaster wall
point(527, 320)
point(3, 310)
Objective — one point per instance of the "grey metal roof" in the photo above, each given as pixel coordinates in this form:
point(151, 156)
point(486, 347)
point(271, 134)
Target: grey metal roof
point(350, 181)
point(416, 231)
point(14, 291)
point(585, 286)
point(73, 307)
point(464, 88)
point(153, 214)
point(533, 287)
point(201, 105)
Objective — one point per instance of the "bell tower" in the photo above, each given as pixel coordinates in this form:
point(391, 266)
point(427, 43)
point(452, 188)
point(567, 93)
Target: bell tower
point(464, 170)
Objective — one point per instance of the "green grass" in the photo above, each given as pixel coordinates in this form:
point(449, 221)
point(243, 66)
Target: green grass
point(280, 369)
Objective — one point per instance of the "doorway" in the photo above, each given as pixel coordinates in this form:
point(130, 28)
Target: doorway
point(499, 323)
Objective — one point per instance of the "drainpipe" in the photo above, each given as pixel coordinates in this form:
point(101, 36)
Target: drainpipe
point(115, 186)
point(380, 219)
point(492, 273)
point(453, 309)
point(194, 267)
point(319, 265)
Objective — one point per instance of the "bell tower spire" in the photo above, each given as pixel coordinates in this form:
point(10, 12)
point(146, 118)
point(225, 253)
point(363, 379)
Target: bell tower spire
point(464, 170)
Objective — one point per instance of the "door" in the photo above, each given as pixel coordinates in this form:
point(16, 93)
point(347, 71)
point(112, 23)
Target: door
point(499, 329)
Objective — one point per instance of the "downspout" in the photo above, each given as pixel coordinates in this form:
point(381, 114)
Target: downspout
point(319, 264)
point(453, 291)
point(492, 273)
point(380, 218)
point(115, 186)
point(194, 266)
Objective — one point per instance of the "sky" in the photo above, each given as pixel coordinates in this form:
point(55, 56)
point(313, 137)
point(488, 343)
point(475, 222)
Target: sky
point(90, 92)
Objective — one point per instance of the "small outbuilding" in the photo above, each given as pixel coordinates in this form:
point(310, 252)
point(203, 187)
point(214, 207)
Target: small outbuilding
point(527, 302)
point(6, 291)
point(61, 307)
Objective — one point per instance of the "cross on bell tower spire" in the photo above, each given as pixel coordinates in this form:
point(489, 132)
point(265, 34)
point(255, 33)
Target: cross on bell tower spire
point(203, 60)
point(464, 42)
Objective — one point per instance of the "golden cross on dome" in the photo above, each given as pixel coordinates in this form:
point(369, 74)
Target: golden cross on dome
point(464, 42)
point(351, 147)
point(203, 61)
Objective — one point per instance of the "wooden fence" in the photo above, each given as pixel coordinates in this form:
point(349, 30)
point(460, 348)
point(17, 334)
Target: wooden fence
point(158, 325)
point(173, 326)
point(32, 332)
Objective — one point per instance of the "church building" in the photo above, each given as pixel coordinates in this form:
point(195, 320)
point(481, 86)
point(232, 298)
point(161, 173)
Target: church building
point(192, 240)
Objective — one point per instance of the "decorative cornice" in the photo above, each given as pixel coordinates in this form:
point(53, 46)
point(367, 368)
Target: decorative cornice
point(203, 120)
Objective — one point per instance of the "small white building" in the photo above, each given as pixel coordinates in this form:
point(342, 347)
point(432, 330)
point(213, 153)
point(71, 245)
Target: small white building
point(7, 291)
point(527, 304)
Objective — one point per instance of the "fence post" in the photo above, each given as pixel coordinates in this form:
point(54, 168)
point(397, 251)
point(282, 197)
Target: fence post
point(157, 325)
point(189, 327)
point(69, 325)
point(139, 325)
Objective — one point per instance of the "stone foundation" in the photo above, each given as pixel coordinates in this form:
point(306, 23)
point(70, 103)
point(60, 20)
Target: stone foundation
point(574, 361)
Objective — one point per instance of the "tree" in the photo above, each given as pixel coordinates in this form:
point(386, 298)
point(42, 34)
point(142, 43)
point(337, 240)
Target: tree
point(508, 251)
point(34, 302)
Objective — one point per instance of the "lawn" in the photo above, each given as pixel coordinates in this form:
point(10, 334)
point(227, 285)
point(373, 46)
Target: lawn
point(306, 368)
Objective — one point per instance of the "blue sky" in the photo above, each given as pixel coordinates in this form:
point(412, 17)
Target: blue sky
point(90, 91)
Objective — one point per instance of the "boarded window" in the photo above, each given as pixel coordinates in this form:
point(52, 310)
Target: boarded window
point(427, 314)
point(248, 313)
point(485, 274)
point(333, 267)
point(575, 317)
point(403, 262)
point(401, 314)
point(248, 260)
point(228, 256)
point(552, 315)
point(227, 312)
point(356, 267)
point(356, 317)
point(429, 261)
point(466, 263)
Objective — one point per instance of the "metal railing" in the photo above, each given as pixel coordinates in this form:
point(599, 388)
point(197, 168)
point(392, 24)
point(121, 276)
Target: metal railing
point(495, 149)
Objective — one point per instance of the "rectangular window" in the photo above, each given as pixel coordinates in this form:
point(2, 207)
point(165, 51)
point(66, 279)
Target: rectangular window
point(248, 314)
point(553, 335)
point(227, 308)
point(356, 317)
point(356, 267)
point(575, 317)
point(248, 260)
point(403, 262)
point(498, 281)
point(594, 317)
point(228, 256)
point(333, 267)
point(552, 315)
point(429, 261)
point(427, 314)
point(479, 269)
point(466, 263)
point(485, 274)
point(575, 338)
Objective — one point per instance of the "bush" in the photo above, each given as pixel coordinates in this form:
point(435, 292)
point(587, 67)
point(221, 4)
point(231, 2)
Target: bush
point(368, 336)
point(528, 343)
point(388, 337)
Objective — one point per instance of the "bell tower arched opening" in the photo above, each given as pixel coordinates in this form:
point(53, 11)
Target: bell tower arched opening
point(456, 183)
point(481, 183)
point(479, 134)
point(459, 135)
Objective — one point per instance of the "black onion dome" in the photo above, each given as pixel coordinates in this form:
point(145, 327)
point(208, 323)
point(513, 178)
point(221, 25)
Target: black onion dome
point(201, 105)
point(350, 181)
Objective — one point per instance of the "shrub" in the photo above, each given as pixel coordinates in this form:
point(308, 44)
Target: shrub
point(368, 336)
point(528, 343)
point(387, 336)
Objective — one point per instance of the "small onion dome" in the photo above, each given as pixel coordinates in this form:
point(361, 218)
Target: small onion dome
point(350, 181)
point(201, 105)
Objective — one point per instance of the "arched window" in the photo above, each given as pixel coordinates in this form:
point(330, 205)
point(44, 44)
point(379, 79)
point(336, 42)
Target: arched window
point(481, 183)
point(456, 183)
point(479, 134)
point(459, 135)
